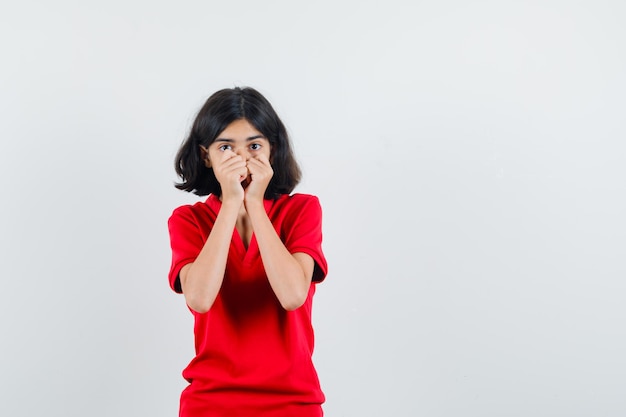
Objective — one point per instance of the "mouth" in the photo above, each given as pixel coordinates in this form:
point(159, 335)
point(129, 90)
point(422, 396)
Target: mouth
point(245, 182)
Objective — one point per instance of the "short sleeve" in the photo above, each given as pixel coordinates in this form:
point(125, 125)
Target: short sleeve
point(305, 233)
point(186, 242)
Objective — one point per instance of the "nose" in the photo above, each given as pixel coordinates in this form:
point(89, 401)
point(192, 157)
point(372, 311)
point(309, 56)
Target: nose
point(243, 152)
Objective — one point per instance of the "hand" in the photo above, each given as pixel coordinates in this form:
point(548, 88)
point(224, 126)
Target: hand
point(261, 173)
point(230, 171)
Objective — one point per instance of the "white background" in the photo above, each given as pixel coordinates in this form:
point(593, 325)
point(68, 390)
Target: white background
point(469, 157)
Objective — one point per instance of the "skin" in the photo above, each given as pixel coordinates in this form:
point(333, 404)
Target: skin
point(240, 158)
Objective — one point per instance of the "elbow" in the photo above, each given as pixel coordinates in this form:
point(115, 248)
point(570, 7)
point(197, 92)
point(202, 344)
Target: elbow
point(199, 309)
point(200, 306)
point(291, 306)
point(198, 300)
point(294, 302)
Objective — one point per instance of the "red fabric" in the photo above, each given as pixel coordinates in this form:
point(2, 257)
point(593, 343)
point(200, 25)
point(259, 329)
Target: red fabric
point(252, 356)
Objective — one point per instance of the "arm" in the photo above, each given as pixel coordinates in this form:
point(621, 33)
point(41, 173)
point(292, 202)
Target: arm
point(201, 280)
point(289, 274)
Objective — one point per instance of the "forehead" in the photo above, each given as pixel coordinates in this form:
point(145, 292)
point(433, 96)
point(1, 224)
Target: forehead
point(240, 129)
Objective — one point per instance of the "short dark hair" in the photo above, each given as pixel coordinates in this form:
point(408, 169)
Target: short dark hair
point(221, 109)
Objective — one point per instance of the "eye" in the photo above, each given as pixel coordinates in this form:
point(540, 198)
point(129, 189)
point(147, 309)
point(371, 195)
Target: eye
point(255, 146)
point(225, 148)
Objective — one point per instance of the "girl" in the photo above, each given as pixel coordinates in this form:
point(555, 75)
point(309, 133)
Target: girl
point(247, 260)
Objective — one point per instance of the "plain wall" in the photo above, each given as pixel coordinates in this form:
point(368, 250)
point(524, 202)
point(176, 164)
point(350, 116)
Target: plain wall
point(469, 157)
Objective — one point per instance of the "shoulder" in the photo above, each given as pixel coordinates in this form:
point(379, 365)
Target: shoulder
point(300, 200)
point(182, 210)
point(187, 210)
point(297, 203)
point(297, 208)
point(190, 211)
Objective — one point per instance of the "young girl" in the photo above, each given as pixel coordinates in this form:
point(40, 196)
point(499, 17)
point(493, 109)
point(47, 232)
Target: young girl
point(247, 260)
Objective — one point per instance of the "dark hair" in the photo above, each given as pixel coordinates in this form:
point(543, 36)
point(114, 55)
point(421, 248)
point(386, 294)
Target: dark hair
point(221, 109)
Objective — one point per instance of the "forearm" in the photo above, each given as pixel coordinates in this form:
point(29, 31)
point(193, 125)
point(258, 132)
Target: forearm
point(202, 279)
point(289, 274)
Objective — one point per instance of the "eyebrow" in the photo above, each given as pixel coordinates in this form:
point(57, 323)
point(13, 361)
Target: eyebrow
point(251, 138)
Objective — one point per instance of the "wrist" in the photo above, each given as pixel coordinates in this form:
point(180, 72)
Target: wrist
point(231, 203)
point(254, 207)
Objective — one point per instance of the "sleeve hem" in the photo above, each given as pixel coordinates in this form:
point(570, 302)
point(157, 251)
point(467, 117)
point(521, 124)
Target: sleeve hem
point(321, 269)
point(174, 277)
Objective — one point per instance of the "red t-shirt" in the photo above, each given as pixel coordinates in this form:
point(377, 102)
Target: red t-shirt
point(253, 358)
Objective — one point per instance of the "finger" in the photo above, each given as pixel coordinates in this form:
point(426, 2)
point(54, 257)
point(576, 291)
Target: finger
point(228, 154)
point(263, 158)
point(255, 162)
point(232, 163)
point(254, 167)
point(236, 171)
point(257, 166)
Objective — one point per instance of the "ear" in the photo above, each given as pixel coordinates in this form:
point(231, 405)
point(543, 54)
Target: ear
point(204, 155)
